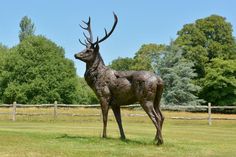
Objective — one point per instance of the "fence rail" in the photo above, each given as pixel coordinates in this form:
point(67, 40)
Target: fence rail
point(55, 113)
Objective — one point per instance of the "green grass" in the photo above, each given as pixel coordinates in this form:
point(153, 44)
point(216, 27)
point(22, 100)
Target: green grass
point(80, 136)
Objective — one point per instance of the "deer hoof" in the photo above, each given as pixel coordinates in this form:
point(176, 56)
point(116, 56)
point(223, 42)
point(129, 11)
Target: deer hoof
point(160, 142)
point(122, 137)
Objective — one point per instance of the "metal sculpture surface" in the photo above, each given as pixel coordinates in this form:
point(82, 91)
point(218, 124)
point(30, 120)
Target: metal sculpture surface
point(115, 88)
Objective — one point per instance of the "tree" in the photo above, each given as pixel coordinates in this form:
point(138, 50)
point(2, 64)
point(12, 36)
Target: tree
point(177, 74)
point(122, 64)
point(219, 85)
point(3, 51)
point(206, 39)
point(26, 28)
point(143, 58)
point(85, 93)
point(36, 71)
point(141, 61)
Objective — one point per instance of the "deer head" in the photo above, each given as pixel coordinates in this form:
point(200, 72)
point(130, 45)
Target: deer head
point(92, 48)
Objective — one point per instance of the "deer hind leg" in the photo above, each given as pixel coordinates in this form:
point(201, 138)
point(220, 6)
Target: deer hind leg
point(157, 103)
point(116, 111)
point(158, 111)
point(156, 119)
point(159, 134)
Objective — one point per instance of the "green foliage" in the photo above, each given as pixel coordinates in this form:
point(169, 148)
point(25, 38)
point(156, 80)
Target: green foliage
point(141, 61)
point(143, 58)
point(209, 43)
point(207, 38)
point(177, 74)
point(122, 64)
point(219, 85)
point(85, 93)
point(3, 53)
point(26, 28)
point(36, 71)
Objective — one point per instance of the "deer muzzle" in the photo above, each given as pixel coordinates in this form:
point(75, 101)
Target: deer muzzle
point(77, 56)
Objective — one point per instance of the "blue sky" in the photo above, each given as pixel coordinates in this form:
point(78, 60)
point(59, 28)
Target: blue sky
point(140, 22)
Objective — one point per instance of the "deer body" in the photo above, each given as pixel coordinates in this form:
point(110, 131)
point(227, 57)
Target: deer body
point(117, 88)
point(121, 87)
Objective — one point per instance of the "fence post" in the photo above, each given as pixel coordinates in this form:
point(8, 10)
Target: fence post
point(14, 112)
point(55, 110)
point(209, 113)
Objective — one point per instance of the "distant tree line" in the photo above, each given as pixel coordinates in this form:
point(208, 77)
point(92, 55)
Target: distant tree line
point(199, 66)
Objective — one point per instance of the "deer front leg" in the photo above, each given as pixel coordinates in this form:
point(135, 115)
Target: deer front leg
point(105, 108)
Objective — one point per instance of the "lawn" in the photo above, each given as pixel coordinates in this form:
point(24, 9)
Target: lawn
point(41, 136)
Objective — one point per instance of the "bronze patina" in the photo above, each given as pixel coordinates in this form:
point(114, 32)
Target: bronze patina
point(116, 88)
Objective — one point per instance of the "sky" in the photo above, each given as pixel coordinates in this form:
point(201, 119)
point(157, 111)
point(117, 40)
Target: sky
point(139, 22)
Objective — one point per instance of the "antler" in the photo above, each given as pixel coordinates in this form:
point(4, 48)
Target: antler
point(108, 34)
point(89, 40)
point(88, 28)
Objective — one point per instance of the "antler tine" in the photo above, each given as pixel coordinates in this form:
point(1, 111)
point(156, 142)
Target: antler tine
point(90, 31)
point(86, 42)
point(82, 43)
point(87, 38)
point(105, 31)
point(82, 27)
point(87, 23)
point(112, 29)
point(88, 28)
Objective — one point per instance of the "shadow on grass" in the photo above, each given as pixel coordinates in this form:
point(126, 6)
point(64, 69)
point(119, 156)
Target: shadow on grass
point(95, 139)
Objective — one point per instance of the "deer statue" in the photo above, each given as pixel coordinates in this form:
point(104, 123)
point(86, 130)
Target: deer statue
point(116, 88)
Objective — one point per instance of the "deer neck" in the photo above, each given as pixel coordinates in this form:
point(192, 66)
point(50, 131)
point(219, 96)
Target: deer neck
point(94, 68)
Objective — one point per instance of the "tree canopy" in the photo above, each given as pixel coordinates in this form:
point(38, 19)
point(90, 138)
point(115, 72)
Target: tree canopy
point(143, 57)
point(3, 53)
point(122, 64)
point(219, 85)
point(141, 61)
point(206, 39)
point(27, 28)
point(85, 94)
point(210, 44)
point(36, 71)
point(177, 74)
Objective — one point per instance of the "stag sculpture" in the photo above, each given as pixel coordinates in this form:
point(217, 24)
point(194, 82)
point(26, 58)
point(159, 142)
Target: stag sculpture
point(116, 88)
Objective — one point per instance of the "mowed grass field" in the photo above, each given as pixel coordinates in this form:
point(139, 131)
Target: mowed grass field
point(79, 136)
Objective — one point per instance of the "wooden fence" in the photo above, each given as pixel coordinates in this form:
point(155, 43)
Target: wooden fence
point(55, 107)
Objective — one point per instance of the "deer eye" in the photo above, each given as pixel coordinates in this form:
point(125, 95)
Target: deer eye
point(90, 50)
